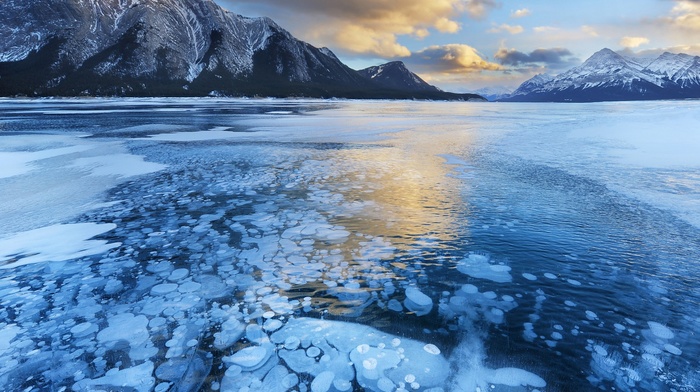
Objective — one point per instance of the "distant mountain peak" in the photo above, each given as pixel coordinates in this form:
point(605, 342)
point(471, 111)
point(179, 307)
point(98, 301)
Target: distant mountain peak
point(394, 74)
point(607, 75)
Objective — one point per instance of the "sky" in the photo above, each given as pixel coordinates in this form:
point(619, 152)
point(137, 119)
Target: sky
point(464, 45)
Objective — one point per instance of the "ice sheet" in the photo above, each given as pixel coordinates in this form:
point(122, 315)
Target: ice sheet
point(54, 243)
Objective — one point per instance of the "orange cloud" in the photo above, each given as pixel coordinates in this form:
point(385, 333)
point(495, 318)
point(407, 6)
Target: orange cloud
point(506, 27)
point(373, 26)
point(633, 42)
point(451, 59)
point(520, 13)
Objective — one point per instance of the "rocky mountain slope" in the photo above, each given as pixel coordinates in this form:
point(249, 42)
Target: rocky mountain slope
point(608, 76)
point(164, 47)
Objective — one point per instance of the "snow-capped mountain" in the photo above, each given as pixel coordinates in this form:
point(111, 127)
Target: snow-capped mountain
point(161, 47)
point(395, 75)
point(494, 93)
point(532, 84)
point(608, 76)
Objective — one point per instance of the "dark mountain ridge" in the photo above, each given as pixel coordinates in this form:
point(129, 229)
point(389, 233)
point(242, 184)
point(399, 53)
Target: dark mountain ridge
point(170, 48)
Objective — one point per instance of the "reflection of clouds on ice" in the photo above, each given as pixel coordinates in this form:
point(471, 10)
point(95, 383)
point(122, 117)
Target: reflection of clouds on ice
point(54, 243)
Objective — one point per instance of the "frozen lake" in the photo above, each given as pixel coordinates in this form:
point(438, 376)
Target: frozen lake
point(272, 245)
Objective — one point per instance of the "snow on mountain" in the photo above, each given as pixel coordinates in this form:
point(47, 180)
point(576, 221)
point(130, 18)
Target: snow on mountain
point(395, 75)
point(532, 84)
point(494, 93)
point(171, 47)
point(682, 69)
point(609, 76)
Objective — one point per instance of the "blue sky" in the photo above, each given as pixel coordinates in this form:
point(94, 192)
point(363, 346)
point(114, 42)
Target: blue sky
point(462, 45)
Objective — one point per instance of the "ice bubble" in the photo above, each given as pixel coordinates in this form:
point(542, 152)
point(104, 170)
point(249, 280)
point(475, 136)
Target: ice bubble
point(660, 331)
point(619, 327)
point(469, 289)
point(570, 304)
point(395, 305)
point(651, 349)
point(508, 298)
point(322, 382)
point(164, 288)
point(127, 327)
point(591, 315)
point(272, 325)
point(653, 361)
point(574, 282)
point(550, 275)
point(370, 363)
point(410, 378)
point(529, 277)
point(515, 377)
point(231, 331)
point(81, 329)
point(431, 349)
point(600, 350)
point(363, 348)
point(385, 385)
point(249, 358)
point(490, 295)
point(479, 266)
point(178, 274)
point(672, 349)
point(557, 336)
point(139, 378)
point(189, 287)
point(290, 381)
point(418, 302)
point(495, 315)
point(313, 352)
point(292, 343)
point(342, 385)
point(395, 342)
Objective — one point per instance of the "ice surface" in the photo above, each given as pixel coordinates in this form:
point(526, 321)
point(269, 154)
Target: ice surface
point(195, 136)
point(259, 231)
point(119, 165)
point(54, 243)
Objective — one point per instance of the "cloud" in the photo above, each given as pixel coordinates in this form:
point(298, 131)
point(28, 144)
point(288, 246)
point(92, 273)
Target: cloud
point(589, 30)
point(368, 27)
point(505, 27)
point(633, 42)
point(693, 50)
point(478, 9)
point(685, 15)
point(520, 13)
point(552, 58)
point(545, 29)
point(450, 59)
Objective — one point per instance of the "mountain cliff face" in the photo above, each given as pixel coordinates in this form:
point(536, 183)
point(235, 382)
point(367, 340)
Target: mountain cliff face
point(395, 75)
point(161, 47)
point(608, 76)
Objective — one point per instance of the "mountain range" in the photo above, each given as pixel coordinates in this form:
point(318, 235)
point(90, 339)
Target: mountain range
point(177, 48)
point(610, 76)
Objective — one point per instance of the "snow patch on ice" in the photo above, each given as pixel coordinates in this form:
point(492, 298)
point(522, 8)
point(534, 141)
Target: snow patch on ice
point(54, 243)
